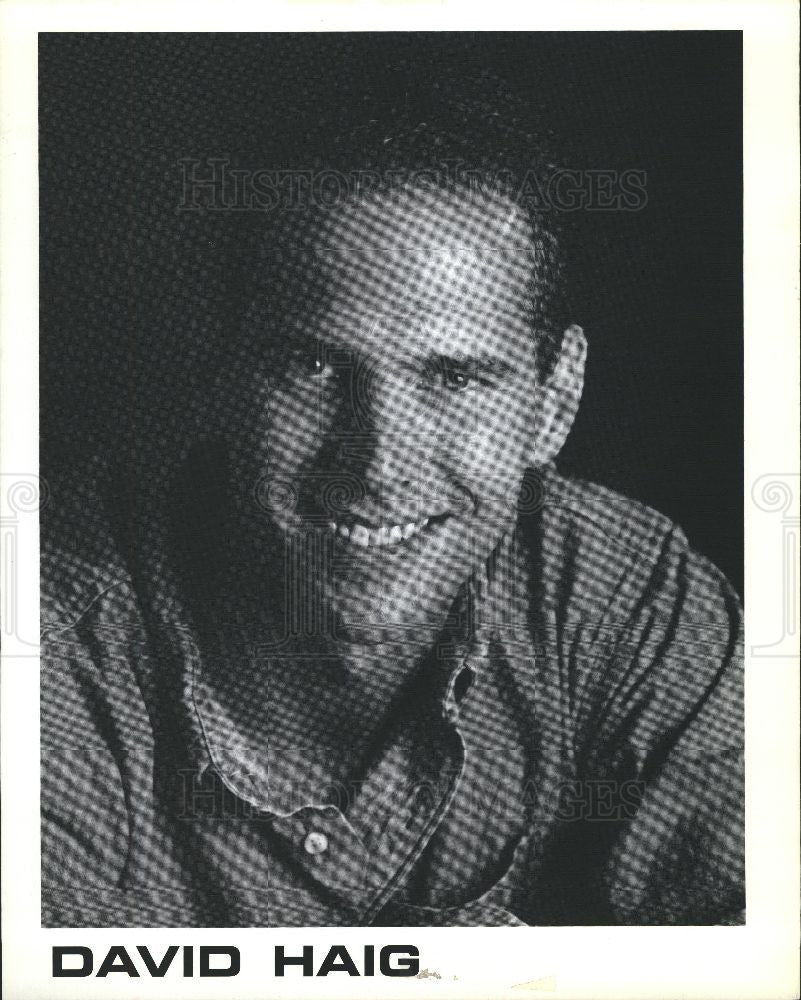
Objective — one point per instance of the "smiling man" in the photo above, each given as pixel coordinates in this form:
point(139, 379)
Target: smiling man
point(406, 376)
point(381, 663)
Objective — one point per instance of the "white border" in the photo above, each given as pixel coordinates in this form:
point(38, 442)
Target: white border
point(759, 960)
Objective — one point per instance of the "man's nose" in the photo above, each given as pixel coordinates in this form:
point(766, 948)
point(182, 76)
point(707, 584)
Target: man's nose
point(397, 437)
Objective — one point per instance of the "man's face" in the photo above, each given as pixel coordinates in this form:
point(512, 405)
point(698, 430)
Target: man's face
point(395, 430)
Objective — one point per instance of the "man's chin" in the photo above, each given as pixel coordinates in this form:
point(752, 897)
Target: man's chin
point(411, 583)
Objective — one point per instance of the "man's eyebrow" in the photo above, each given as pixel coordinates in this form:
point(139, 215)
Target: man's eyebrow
point(486, 363)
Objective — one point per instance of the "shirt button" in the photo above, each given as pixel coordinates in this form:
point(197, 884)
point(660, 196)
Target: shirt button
point(315, 843)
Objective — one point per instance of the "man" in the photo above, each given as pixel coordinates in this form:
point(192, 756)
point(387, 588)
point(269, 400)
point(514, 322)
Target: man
point(373, 661)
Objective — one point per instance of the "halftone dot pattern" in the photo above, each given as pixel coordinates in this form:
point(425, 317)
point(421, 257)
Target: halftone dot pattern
point(137, 292)
point(570, 753)
point(400, 396)
point(365, 608)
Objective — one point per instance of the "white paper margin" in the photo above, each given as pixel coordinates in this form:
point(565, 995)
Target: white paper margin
point(758, 960)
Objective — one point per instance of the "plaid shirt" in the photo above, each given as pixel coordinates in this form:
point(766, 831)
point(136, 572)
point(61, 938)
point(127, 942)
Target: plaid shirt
point(567, 751)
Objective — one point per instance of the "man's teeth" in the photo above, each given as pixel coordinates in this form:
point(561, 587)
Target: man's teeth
point(360, 534)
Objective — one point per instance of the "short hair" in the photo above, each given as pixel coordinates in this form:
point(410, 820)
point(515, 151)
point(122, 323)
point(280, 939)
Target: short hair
point(482, 138)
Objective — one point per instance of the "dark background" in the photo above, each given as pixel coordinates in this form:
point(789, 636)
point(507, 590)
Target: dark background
point(136, 295)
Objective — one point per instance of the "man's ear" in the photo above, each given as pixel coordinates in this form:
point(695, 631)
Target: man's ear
point(559, 397)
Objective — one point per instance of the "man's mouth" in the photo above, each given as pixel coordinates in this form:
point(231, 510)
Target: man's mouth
point(386, 535)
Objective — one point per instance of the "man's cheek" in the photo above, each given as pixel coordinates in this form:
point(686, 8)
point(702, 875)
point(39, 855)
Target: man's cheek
point(489, 459)
point(292, 430)
point(473, 456)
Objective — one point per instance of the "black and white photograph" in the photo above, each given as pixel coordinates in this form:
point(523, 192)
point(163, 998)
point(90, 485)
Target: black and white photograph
point(392, 418)
point(398, 503)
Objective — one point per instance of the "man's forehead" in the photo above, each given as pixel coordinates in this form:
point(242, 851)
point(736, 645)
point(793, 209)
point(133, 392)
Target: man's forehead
point(450, 263)
point(482, 335)
point(415, 218)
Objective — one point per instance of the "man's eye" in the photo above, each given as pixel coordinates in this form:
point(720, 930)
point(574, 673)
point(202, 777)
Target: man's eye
point(456, 380)
point(317, 368)
point(313, 362)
